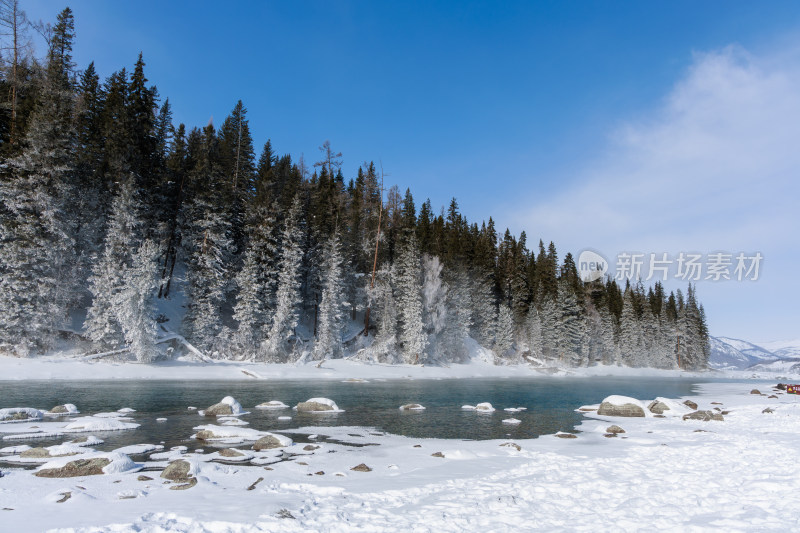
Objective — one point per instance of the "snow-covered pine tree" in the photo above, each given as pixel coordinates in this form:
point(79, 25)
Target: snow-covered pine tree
point(692, 343)
point(38, 281)
point(549, 317)
point(484, 308)
point(122, 236)
point(631, 344)
point(434, 309)
point(332, 305)
point(287, 298)
point(608, 340)
point(459, 313)
point(134, 304)
point(409, 301)
point(207, 277)
point(384, 313)
point(570, 327)
point(256, 287)
point(504, 339)
point(533, 331)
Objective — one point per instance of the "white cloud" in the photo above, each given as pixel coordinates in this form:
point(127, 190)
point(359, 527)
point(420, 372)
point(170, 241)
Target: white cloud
point(715, 167)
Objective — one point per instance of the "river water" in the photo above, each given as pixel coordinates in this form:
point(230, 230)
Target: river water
point(550, 403)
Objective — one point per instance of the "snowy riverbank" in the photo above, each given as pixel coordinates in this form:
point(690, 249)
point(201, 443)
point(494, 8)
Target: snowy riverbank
point(65, 368)
point(740, 474)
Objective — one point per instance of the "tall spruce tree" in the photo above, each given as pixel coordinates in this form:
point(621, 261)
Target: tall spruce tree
point(38, 278)
point(287, 299)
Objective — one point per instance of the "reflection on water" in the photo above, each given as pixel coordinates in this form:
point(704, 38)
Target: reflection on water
point(550, 404)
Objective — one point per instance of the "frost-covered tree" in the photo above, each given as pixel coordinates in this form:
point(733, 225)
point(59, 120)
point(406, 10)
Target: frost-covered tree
point(459, 316)
point(134, 304)
point(38, 281)
point(332, 305)
point(102, 321)
point(384, 311)
point(570, 328)
point(434, 304)
point(504, 339)
point(608, 341)
point(484, 308)
point(256, 284)
point(549, 317)
point(207, 277)
point(533, 331)
point(631, 345)
point(409, 301)
point(287, 298)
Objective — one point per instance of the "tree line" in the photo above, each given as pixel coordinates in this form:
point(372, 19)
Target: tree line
point(108, 210)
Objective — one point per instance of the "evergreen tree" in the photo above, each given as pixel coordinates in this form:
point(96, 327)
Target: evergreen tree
point(331, 309)
point(409, 302)
point(504, 338)
point(134, 303)
point(38, 277)
point(287, 299)
point(103, 326)
point(434, 304)
point(256, 283)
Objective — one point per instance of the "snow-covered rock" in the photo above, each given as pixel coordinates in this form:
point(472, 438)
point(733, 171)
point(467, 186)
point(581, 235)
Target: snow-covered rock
point(512, 421)
point(484, 407)
point(621, 406)
point(272, 404)
point(271, 440)
point(232, 434)
point(468, 407)
point(94, 423)
point(412, 407)
point(227, 407)
point(318, 405)
point(89, 465)
point(20, 414)
point(138, 449)
point(64, 409)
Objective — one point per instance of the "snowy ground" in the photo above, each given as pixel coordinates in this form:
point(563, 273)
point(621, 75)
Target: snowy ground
point(60, 367)
point(740, 474)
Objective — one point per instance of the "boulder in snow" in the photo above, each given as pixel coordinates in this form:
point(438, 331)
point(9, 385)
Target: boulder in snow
point(90, 465)
point(79, 467)
point(317, 405)
point(614, 429)
point(620, 406)
point(657, 407)
point(412, 407)
point(230, 452)
point(65, 409)
point(228, 406)
point(20, 414)
point(484, 407)
point(705, 416)
point(177, 471)
point(270, 441)
point(690, 404)
point(563, 435)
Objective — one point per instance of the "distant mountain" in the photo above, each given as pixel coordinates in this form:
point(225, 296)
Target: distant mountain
point(788, 366)
point(735, 354)
point(784, 349)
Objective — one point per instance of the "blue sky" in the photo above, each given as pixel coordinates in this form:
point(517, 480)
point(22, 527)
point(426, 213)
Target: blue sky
point(649, 126)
